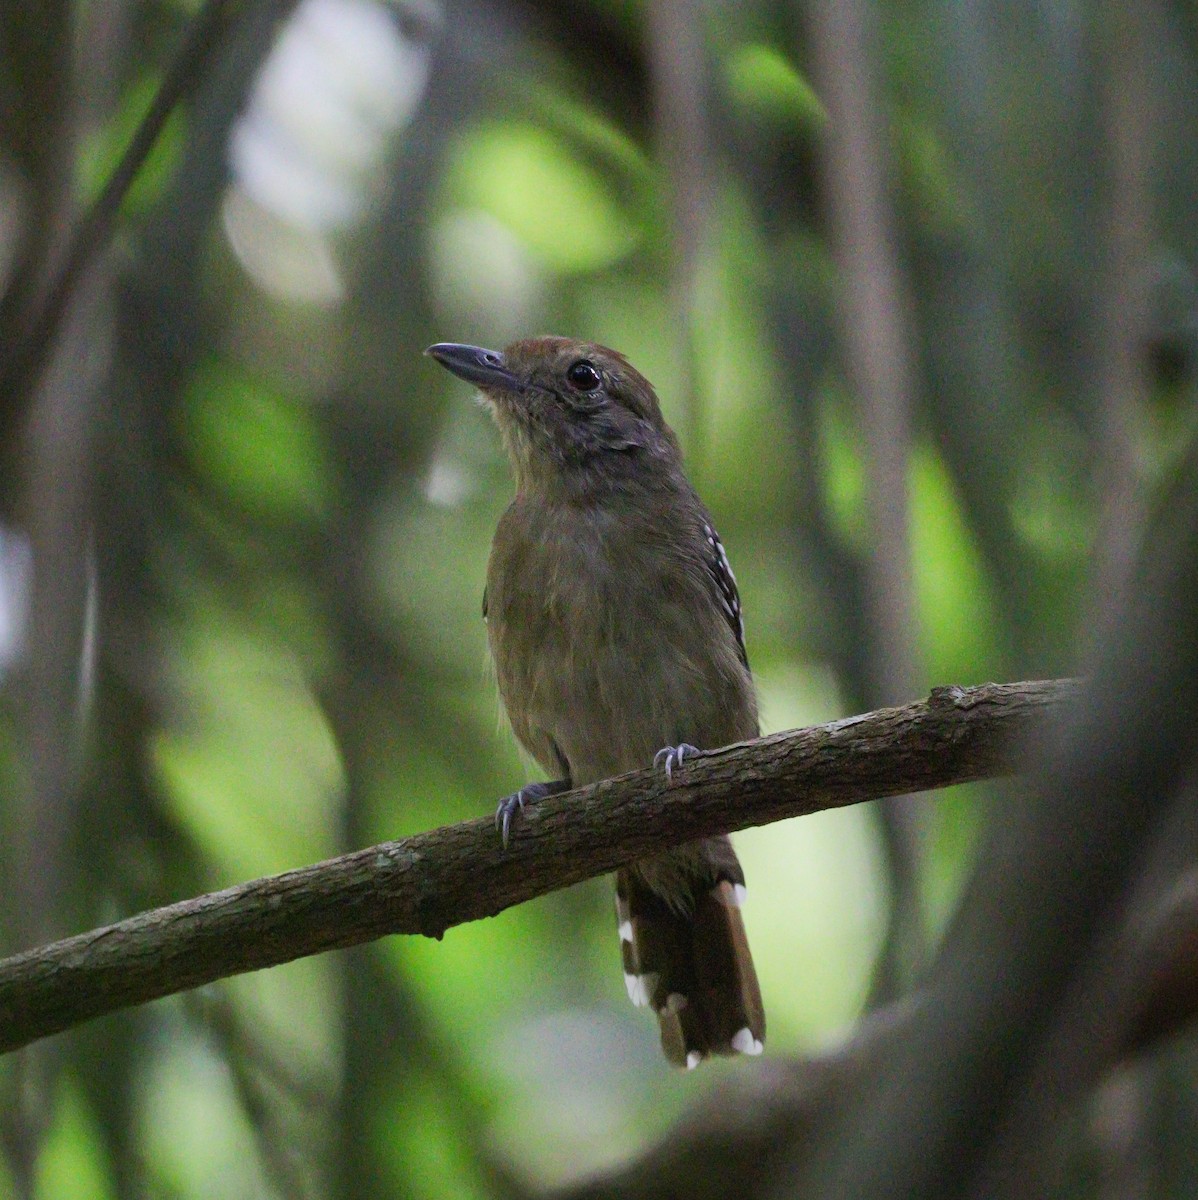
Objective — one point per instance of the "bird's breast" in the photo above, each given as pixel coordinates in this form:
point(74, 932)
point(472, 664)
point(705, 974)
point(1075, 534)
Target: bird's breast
point(608, 644)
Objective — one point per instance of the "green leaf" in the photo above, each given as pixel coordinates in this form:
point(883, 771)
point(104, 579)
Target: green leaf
point(958, 616)
point(69, 1164)
point(559, 206)
point(764, 83)
point(265, 452)
point(102, 150)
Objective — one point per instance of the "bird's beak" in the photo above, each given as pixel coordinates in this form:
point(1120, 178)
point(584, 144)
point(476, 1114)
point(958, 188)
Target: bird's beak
point(483, 368)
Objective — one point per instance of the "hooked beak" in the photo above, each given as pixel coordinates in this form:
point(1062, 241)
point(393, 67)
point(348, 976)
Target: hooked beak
point(483, 368)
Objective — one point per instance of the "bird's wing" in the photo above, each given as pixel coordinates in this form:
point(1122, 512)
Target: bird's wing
point(720, 569)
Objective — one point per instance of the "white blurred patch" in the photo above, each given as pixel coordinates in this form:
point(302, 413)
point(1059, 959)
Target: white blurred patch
point(483, 275)
point(446, 484)
point(567, 1075)
point(16, 562)
point(308, 154)
point(284, 259)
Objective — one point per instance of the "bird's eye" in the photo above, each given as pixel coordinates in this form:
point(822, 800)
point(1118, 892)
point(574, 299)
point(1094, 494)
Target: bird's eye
point(583, 376)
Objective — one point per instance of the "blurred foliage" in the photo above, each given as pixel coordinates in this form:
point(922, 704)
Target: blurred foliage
point(292, 510)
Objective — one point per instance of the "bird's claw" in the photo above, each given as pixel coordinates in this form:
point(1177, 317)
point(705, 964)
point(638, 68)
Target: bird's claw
point(670, 757)
point(509, 806)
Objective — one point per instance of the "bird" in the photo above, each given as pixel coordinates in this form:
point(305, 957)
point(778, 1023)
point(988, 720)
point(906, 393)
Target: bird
point(615, 627)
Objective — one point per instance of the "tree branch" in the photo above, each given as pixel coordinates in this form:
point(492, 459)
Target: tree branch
point(428, 883)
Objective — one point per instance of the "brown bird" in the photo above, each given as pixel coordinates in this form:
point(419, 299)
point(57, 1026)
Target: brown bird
point(614, 623)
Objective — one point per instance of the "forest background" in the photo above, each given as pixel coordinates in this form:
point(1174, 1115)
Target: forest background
point(916, 284)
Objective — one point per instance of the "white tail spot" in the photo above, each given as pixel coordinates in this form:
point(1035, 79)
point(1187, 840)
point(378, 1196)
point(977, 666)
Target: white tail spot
point(693, 1059)
point(626, 932)
point(640, 988)
point(743, 1042)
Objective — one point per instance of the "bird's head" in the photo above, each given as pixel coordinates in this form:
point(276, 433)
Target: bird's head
point(571, 413)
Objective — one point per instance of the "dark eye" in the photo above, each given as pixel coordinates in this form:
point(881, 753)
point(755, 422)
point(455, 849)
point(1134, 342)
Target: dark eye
point(583, 376)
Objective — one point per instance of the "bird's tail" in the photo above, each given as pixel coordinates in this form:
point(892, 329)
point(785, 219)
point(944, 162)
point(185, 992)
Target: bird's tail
point(690, 962)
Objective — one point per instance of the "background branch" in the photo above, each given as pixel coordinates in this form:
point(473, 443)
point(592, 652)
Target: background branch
point(874, 338)
point(94, 230)
point(1020, 1002)
point(428, 883)
point(746, 1129)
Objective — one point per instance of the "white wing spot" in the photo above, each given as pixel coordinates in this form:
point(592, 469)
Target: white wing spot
point(693, 1059)
point(626, 931)
point(743, 1042)
point(740, 894)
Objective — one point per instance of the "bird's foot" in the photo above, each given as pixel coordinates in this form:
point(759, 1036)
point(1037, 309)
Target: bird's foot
point(670, 757)
point(511, 805)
